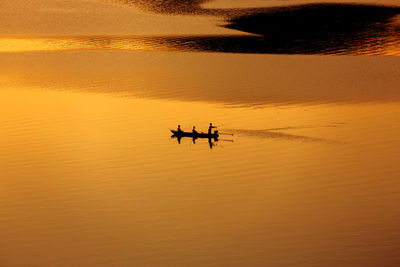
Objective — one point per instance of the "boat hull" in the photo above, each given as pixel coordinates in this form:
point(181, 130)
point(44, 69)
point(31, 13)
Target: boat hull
point(195, 135)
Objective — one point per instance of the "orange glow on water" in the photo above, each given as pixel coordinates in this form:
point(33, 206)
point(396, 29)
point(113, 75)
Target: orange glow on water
point(137, 43)
point(80, 166)
point(305, 172)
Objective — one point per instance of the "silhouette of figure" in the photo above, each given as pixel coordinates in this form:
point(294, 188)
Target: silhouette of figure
point(194, 134)
point(210, 142)
point(210, 128)
point(179, 129)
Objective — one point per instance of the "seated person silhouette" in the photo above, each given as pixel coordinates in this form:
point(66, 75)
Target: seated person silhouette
point(194, 134)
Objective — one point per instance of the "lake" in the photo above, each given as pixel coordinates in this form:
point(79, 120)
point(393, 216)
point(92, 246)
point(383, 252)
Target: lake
point(304, 173)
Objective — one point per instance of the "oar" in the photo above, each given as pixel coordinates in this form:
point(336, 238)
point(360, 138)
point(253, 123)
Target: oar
point(226, 134)
point(226, 140)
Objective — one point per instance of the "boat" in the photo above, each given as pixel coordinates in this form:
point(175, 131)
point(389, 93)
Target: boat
point(175, 133)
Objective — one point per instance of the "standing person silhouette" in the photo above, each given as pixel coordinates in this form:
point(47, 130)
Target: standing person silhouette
point(210, 128)
point(179, 129)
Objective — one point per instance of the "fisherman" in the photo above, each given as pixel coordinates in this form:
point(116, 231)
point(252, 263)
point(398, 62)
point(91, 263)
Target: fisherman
point(210, 128)
point(179, 129)
point(194, 130)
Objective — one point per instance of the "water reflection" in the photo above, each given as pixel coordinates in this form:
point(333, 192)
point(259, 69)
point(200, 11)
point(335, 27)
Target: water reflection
point(234, 81)
point(299, 29)
point(211, 141)
point(194, 135)
point(322, 28)
point(313, 21)
point(384, 42)
point(89, 175)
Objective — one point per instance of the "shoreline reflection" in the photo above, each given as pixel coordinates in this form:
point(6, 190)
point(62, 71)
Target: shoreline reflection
point(386, 42)
point(313, 28)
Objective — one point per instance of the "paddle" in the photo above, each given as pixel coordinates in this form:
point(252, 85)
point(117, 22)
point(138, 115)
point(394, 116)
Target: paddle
point(226, 134)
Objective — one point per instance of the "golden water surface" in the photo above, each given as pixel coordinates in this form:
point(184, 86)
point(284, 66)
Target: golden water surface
point(307, 173)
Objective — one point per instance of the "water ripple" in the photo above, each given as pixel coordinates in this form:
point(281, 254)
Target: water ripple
point(388, 44)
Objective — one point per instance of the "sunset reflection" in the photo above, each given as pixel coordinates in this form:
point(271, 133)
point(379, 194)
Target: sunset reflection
point(389, 46)
point(304, 169)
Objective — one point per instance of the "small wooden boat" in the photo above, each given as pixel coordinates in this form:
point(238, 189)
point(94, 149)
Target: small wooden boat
point(214, 135)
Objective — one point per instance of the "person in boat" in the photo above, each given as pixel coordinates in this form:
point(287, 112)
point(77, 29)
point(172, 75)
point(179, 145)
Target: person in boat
point(179, 130)
point(210, 128)
point(194, 134)
point(194, 131)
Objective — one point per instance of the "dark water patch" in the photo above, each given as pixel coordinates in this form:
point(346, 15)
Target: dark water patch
point(374, 43)
point(313, 20)
point(322, 28)
point(385, 42)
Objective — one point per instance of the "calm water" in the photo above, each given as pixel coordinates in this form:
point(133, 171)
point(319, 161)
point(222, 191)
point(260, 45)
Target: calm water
point(89, 175)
